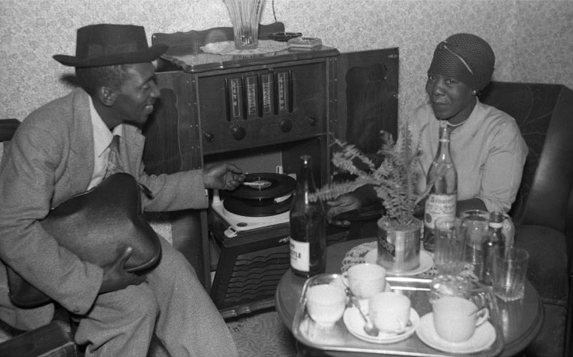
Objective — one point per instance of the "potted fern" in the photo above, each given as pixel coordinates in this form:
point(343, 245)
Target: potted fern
point(395, 182)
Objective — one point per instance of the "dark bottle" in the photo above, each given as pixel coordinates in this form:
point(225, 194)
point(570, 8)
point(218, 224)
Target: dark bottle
point(442, 199)
point(307, 226)
point(493, 245)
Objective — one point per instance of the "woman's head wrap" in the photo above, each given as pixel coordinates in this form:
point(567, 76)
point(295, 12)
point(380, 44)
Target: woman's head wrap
point(466, 58)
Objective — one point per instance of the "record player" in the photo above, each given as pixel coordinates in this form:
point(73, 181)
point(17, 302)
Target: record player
point(251, 227)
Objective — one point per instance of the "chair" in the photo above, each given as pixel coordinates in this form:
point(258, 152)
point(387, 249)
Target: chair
point(543, 210)
point(56, 338)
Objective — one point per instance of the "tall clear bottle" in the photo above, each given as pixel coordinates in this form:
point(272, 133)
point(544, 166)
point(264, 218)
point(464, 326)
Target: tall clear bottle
point(442, 199)
point(307, 226)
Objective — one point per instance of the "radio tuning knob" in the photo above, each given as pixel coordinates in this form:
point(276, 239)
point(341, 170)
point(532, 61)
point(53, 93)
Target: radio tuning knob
point(238, 132)
point(285, 125)
point(312, 121)
point(209, 136)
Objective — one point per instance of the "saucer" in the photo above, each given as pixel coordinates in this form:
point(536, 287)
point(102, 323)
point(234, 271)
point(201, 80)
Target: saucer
point(355, 325)
point(483, 337)
point(426, 262)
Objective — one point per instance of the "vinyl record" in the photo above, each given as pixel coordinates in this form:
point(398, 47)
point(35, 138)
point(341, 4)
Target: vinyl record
point(262, 186)
point(256, 208)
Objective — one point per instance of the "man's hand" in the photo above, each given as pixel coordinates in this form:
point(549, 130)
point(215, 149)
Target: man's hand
point(341, 204)
point(223, 176)
point(115, 277)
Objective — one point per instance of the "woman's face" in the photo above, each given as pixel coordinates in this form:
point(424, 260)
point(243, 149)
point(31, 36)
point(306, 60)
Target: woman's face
point(451, 100)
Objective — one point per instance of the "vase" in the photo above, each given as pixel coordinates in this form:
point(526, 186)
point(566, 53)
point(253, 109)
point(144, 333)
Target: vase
point(245, 17)
point(399, 245)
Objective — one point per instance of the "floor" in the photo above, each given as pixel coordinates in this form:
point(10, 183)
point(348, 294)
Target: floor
point(262, 334)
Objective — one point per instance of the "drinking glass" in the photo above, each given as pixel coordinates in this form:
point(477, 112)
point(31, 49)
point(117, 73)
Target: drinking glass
point(509, 270)
point(450, 245)
point(476, 225)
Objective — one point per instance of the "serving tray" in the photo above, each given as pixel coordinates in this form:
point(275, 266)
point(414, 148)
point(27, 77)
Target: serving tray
point(338, 338)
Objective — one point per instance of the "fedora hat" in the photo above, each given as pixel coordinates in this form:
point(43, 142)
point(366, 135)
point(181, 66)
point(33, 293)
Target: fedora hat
point(106, 45)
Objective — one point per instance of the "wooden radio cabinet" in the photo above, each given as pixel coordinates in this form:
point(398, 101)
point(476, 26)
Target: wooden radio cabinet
point(261, 112)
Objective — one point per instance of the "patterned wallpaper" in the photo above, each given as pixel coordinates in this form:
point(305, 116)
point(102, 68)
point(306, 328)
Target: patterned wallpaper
point(532, 39)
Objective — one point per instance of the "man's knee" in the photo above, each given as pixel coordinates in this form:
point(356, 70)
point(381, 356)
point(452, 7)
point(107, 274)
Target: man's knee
point(143, 302)
point(133, 302)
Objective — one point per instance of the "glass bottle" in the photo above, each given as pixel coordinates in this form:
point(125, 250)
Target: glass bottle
point(493, 245)
point(442, 199)
point(307, 226)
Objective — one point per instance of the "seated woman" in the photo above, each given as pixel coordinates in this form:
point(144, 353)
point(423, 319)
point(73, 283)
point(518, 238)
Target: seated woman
point(486, 145)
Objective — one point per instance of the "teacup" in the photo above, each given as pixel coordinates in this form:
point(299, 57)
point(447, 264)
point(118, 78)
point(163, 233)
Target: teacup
point(325, 303)
point(456, 318)
point(365, 280)
point(389, 312)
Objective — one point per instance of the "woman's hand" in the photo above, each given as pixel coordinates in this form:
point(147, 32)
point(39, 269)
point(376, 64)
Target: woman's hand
point(342, 204)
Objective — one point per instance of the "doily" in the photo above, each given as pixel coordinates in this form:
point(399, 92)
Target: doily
point(357, 255)
point(228, 48)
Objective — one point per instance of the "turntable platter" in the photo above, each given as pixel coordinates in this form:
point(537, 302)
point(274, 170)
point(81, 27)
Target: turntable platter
point(256, 208)
point(263, 186)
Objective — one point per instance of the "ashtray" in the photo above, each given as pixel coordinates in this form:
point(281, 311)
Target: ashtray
point(304, 43)
point(284, 36)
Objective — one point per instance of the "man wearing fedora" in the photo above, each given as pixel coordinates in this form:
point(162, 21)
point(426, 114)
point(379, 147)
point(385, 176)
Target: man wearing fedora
point(62, 149)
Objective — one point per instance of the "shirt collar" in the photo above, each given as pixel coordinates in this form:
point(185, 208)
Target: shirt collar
point(474, 121)
point(102, 135)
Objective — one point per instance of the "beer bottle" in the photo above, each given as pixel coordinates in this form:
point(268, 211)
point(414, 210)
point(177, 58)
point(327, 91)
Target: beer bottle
point(307, 226)
point(442, 198)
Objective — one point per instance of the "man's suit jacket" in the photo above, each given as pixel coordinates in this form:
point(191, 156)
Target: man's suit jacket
point(51, 158)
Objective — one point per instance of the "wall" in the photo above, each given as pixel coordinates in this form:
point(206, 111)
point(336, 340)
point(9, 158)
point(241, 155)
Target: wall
point(530, 38)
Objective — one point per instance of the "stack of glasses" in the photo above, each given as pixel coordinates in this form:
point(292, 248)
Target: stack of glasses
point(470, 245)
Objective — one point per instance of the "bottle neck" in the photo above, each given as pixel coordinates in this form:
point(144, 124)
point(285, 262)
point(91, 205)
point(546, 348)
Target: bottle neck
point(444, 148)
point(496, 220)
point(305, 180)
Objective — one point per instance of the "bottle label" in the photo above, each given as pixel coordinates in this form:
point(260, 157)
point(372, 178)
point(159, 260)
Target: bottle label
point(439, 206)
point(299, 255)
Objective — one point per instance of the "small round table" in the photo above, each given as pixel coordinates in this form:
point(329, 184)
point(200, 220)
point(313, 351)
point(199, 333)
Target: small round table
point(521, 320)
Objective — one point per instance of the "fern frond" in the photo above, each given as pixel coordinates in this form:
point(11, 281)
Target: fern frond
point(332, 191)
point(394, 180)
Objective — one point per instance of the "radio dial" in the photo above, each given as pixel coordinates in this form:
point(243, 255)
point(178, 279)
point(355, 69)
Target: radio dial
point(209, 137)
point(238, 132)
point(285, 125)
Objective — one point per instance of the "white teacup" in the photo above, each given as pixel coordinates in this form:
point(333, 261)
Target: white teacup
point(456, 318)
point(365, 280)
point(325, 303)
point(389, 312)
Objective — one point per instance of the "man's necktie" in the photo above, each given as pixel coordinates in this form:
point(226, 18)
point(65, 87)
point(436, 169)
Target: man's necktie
point(114, 160)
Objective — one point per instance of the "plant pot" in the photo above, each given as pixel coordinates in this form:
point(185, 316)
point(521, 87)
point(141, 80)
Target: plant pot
point(399, 245)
